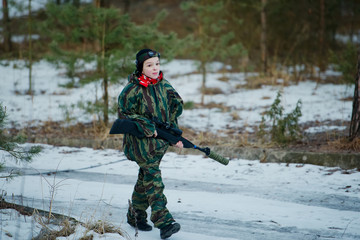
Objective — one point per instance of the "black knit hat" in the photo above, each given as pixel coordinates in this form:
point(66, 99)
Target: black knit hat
point(142, 56)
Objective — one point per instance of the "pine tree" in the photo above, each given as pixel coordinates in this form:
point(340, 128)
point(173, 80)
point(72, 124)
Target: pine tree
point(212, 38)
point(284, 127)
point(12, 146)
point(104, 36)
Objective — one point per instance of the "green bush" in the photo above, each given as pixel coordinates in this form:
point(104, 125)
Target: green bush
point(189, 105)
point(284, 127)
point(11, 145)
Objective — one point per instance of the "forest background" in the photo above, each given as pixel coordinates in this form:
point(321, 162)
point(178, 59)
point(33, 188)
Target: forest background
point(292, 40)
point(267, 40)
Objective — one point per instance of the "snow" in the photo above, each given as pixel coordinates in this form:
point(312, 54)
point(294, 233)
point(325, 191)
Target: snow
point(244, 200)
point(19, 8)
point(319, 103)
point(280, 201)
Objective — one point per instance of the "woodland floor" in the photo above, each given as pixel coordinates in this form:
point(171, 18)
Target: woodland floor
point(334, 141)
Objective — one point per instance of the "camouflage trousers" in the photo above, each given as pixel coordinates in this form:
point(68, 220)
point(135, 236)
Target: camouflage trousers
point(149, 192)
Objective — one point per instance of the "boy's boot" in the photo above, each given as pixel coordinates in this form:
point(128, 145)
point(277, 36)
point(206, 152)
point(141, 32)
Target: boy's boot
point(168, 230)
point(139, 222)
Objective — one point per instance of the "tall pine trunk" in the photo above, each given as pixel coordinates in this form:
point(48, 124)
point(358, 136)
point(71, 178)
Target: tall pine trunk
point(321, 53)
point(7, 30)
point(127, 4)
point(202, 64)
point(203, 83)
point(101, 3)
point(355, 117)
point(106, 100)
point(30, 50)
point(322, 36)
point(263, 37)
point(105, 77)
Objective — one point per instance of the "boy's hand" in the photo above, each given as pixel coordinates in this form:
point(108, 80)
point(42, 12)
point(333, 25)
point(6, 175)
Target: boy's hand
point(179, 144)
point(154, 135)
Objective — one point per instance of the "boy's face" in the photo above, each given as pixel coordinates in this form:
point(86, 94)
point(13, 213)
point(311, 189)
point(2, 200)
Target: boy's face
point(151, 67)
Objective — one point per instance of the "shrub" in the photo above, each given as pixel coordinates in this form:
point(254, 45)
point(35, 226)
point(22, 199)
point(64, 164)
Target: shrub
point(189, 105)
point(284, 128)
point(11, 145)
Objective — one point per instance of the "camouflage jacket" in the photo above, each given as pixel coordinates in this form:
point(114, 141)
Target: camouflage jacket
point(140, 104)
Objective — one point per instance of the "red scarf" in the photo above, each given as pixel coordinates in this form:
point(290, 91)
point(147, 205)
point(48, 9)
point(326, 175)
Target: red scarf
point(145, 81)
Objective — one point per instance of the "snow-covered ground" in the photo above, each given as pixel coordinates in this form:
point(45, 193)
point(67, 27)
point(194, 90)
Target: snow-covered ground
point(244, 200)
point(318, 104)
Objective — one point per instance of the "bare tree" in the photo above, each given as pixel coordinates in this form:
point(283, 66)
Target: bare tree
point(355, 117)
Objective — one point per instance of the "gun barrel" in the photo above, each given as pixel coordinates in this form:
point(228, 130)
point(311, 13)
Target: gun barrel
point(218, 158)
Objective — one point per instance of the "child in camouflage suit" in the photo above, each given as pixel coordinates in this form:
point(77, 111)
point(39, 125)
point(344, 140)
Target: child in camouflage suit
point(147, 95)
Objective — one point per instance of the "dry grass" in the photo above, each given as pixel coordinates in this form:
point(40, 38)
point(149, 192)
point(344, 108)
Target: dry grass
point(344, 144)
point(235, 115)
point(60, 225)
point(224, 79)
point(276, 78)
point(51, 129)
point(212, 91)
point(230, 139)
point(102, 227)
point(67, 228)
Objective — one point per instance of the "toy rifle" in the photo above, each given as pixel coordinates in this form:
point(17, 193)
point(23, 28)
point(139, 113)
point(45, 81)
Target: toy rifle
point(165, 132)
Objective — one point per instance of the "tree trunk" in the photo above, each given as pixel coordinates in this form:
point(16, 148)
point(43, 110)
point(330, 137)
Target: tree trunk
point(355, 117)
point(203, 86)
point(321, 36)
point(7, 30)
point(102, 3)
point(76, 3)
point(30, 49)
point(321, 55)
point(106, 100)
point(202, 63)
point(105, 77)
point(127, 4)
point(263, 37)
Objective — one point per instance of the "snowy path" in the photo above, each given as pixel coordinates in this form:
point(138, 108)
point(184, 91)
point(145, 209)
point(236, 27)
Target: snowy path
point(244, 200)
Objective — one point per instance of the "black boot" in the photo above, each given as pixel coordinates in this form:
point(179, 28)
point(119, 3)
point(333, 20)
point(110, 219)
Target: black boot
point(169, 230)
point(142, 226)
point(139, 222)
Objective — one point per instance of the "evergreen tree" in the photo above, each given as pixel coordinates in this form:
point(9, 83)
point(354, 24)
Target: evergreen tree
point(12, 146)
point(284, 127)
point(212, 38)
point(104, 36)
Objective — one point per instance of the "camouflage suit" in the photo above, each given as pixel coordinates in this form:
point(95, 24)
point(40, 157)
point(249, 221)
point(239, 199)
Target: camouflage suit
point(141, 103)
